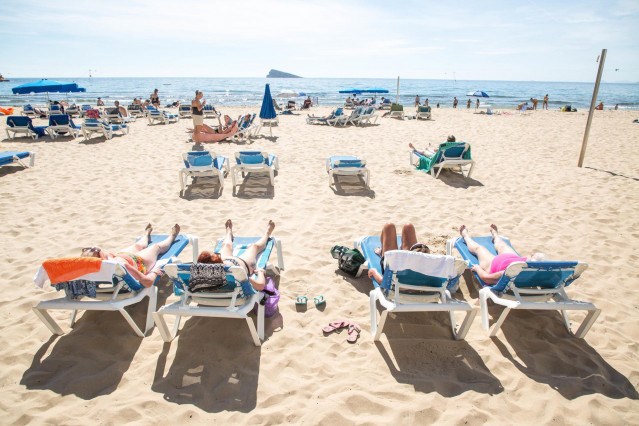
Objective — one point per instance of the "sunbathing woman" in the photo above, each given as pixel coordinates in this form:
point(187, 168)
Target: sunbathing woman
point(247, 260)
point(138, 259)
point(388, 239)
point(492, 267)
point(229, 129)
point(430, 151)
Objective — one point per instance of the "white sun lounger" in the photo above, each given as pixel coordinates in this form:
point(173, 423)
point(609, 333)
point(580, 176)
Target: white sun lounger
point(348, 165)
point(203, 164)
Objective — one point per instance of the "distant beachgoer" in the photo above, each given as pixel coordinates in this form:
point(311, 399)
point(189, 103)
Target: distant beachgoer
point(600, 106)
point(307, 103)
point(230, 127)
point(491, 267)
point(417, 103)
point(388, 239)
point(120, 109)
point(197, 105)
point(455, 103)
point(155, 99)
point(426, 102)
point(348, 100)
point(100, 102)
point(477, 104)
point(58, 103)
point(534, 102)
point(616, 107)
point(430, 151)
point(140, 258)
point(437, 105)
point(521, 106)
point(276, 106)
point(468, 104)
point(545, 104)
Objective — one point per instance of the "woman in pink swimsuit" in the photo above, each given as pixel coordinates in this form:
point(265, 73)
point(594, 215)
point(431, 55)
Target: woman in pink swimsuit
point(491, 267)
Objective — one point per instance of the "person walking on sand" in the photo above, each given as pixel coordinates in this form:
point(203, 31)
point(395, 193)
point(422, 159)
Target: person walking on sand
point(545, 104)
point(455, 102)
point(477, 104)
point(534, 102)
point(468, 104)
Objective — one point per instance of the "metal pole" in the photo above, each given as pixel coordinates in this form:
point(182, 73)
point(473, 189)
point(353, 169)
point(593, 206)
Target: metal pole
point(397, 97)
point(582, 154)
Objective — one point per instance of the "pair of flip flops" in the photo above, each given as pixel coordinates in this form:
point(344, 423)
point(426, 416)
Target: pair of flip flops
point(303, 300)
point(353, 329)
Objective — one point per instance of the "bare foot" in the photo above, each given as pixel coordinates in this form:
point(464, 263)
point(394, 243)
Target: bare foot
point(411, 146)
point(147, 231)
point(463, 231)
point(493, 231)
point(270, 227)
point(378, 251)
point(175, 231)
point(229, 225)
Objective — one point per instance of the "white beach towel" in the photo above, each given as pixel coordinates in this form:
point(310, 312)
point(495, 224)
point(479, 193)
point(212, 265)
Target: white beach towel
point(433, 265)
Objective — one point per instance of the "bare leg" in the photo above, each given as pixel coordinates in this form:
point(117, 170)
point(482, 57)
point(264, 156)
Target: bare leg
point(483, 255)
point(409, 238)
point(207, 129)
point(388, 239)
point(142, 243)
point(500, 244)
point(227, 245)
point(428, 152)
point(250, 255)
point(150, 254)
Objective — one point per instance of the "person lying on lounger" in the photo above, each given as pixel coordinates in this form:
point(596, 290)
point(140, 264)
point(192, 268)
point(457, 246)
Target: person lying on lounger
point(221, 129)
point(492, 267)
point(247, 260)
point(430, 151)
point(138, 259)
point(388, 238)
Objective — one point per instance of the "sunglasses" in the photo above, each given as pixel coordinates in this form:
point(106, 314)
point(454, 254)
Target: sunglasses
point(96, 250)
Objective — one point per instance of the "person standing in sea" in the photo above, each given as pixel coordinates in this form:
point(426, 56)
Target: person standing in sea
point(455, 103)
point(155, 99)
point(426, 102)
point(545, 104)
point(477, 104)
point(468, 104)
point(416, 100)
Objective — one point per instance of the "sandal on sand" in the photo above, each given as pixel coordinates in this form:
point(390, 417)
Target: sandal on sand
point(353, 333)
point(336, 325)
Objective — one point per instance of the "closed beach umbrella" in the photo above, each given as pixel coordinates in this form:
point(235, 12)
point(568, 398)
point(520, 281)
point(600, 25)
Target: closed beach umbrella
point(268, 110)
point(46, 86)
point(478, 94)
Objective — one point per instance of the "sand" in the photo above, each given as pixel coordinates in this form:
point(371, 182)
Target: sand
point(526, 181)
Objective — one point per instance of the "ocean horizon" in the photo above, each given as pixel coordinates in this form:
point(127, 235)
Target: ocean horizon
point(248, 91)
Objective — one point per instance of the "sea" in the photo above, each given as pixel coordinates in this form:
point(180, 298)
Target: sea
point(250, 91)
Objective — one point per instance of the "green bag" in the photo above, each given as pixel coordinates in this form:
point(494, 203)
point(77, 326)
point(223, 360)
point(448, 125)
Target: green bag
point(349, 260)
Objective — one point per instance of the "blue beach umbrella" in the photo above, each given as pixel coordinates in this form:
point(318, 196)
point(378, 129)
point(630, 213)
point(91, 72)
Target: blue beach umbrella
point(46, 86)
point(478, 94)
point(268, 110)
point(374, 90)
point(353, 91)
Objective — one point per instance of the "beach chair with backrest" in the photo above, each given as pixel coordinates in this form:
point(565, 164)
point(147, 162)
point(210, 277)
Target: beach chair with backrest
point(94, 284)
point(28, 111)
point(203, 164)
point(73, 110)
point(396, 111)
point(368, 115)
point(234, 300)
point(349, 104)
point(291, 106)
point(423, 112)
point(255, 162)
point(248, 129)
point(184, 111)
point(161, 116)
point(450, 155)
point(209, 111)
point(386, 104)
point(55, 109)
point(83, 110)
point(134, 110)
point(346, 165)
point(8, 158)
point(414, 282)
point(355, 116)
point(529, 285)
point(62, 124)
point(23, 124)
point(94, 125)
point(334, 118)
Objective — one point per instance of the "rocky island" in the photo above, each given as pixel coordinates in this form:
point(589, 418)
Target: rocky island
point(281, 74)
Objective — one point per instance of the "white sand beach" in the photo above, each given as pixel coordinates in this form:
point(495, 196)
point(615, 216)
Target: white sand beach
point(526, 181)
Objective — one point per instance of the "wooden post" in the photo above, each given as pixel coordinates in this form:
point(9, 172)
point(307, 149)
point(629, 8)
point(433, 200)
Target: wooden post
point(397, 97)
point(582, 154)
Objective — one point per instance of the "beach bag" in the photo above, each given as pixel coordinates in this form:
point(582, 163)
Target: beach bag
point(207, 277)
point(349, 260)
point(270, 298)
point(93, 113)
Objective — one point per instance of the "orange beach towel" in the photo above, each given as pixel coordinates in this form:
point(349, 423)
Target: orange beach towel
point(69, 268)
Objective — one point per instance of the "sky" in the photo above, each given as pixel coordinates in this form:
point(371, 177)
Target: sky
point(518, 40)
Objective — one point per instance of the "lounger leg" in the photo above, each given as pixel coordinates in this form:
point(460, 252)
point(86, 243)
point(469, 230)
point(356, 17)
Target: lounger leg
point(254, 334)
point(74, 313)
point(182, 180)
point(280, 256)
point(465, 326)
point(132, 323)
point(153, 300)
point(470, 171)
point(483, 302)
point(220, 177)
point(48, 321)
point(587, 323)
point(271, 175)
point(330, 177)
point(163, 328)
point(234, 178)
point(438, 172)
point(260, 321)
point(495, 328)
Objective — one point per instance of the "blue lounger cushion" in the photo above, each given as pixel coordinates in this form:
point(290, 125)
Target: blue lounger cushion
point(204, 158)
point(345, 161)
point(6, 157)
